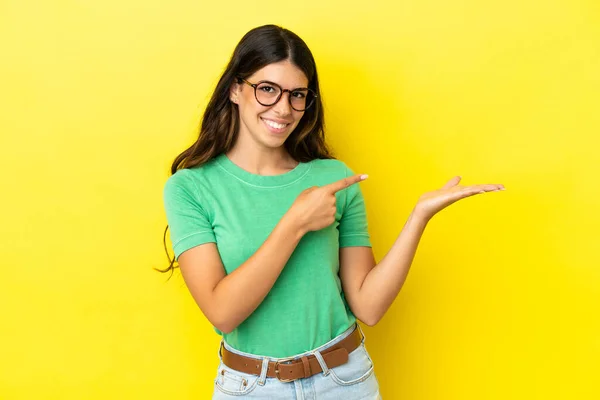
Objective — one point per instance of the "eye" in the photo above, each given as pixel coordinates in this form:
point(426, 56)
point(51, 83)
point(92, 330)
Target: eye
point(299, 94)
point(267, 89)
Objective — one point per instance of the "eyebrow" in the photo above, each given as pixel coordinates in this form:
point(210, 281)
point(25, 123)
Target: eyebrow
point(278, 84)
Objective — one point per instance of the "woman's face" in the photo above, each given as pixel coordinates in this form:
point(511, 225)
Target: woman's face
point(269, 126)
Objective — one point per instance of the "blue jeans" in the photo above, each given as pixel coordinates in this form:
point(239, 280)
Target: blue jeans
point(354, 380)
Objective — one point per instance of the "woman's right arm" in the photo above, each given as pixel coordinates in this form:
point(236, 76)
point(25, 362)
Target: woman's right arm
point(227, 300)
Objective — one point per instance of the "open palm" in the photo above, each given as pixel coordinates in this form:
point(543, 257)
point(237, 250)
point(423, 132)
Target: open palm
point(433, 202)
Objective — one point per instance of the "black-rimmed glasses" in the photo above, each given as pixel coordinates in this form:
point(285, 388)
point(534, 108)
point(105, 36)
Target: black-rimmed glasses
point(269, 93)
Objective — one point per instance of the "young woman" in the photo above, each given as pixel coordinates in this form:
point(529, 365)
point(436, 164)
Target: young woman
point(270, 232)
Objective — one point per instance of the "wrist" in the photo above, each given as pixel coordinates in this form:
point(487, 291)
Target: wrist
point(293, 225)
point(420, 216)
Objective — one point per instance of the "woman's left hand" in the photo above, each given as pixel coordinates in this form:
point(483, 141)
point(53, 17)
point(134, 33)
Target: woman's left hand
point(433, 202)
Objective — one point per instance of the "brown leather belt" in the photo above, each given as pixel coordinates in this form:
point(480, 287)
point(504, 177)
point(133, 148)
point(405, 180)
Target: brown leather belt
point(304, 367)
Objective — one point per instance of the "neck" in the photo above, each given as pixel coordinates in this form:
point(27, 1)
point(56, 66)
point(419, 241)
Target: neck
point(263, 161)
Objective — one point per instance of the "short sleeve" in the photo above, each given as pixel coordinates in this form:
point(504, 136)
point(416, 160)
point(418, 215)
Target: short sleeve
point(188, 221)
point(353, 225)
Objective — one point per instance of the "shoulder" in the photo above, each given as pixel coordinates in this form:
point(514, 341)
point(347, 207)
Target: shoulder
point(180, 180)
point(332, 169)
point(333, 166)
point(188, 180)
point(325, 171)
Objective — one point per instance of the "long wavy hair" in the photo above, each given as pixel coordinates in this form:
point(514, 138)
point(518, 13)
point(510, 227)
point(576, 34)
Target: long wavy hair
point(220, 124)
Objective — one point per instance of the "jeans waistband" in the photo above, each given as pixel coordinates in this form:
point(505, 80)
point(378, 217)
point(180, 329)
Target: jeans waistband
point(333, 341)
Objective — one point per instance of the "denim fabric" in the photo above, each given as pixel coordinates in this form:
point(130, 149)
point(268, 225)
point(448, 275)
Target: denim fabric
point(354, 380)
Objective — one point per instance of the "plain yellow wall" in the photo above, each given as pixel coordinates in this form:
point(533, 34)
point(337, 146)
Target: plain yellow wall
point(98, 97)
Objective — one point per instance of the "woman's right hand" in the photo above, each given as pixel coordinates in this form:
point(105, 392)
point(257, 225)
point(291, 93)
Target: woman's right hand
point(315, 207)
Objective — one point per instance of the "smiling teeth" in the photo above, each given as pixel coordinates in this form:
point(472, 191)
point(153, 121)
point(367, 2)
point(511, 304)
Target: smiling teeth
point(275, 124)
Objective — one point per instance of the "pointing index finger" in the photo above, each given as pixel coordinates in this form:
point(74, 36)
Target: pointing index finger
point(344, 183)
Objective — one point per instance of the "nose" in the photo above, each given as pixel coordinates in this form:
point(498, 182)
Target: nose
point(283, 107)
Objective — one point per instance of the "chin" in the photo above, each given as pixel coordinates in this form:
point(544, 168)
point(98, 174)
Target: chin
point(274, 143)
point(274, 140)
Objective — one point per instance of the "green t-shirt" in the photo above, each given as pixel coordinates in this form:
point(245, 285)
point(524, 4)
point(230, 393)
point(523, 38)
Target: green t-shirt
point(223, 203)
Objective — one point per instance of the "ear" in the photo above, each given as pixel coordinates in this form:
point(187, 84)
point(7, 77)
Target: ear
point(234, 91)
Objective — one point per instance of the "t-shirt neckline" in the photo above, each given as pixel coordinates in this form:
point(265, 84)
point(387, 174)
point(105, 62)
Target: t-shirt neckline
point(262, 180)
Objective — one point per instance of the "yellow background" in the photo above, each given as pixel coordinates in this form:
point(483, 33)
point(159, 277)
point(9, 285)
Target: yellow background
point(98, 97)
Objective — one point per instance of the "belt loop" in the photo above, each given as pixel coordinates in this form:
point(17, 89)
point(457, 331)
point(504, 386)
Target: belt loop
point(306, 366)
point(362, 340)
point(322, 363)
point(263, 372)
point(221, 351)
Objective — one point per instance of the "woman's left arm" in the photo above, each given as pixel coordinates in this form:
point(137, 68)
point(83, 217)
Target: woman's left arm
point(371, 288)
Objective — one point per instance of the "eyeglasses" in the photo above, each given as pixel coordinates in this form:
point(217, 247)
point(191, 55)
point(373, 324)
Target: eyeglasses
point(269, 93)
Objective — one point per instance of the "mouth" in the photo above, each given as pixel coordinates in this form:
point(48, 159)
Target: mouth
point(275, 127)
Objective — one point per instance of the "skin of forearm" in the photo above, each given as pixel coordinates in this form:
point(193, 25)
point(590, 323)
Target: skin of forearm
point(241, 292)
point(383, 283)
